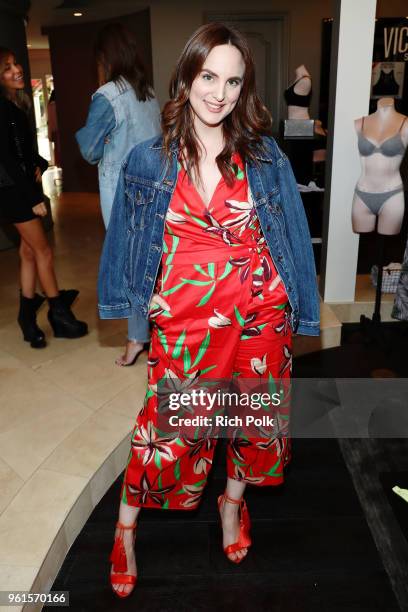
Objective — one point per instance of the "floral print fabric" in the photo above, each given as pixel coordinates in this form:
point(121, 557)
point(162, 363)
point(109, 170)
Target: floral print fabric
point(228, 318)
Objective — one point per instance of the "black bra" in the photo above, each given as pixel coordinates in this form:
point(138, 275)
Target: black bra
point(386, 85)
point(294, 99)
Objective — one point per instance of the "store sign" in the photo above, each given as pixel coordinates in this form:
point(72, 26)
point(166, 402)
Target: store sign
point(396, 42)
point(389, 78)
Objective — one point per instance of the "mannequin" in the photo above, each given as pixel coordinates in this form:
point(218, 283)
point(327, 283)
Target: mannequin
point(382, 140)
point(319, 154)
point(298, 94)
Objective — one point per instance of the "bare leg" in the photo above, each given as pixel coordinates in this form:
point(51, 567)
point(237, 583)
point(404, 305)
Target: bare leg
point(133, 347)
point(127, 516)
point(138, 334)
point(229, 516)
point(28, 270)
point(32, 232)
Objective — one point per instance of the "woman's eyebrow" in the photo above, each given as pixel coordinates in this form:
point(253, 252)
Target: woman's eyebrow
point(238, 78)
point(209, 72)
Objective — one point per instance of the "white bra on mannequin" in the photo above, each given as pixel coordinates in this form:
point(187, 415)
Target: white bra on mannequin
point(382, 141)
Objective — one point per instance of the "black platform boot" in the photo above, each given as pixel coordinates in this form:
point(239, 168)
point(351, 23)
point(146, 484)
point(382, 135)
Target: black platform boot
point(27, 320)
point(62, 319)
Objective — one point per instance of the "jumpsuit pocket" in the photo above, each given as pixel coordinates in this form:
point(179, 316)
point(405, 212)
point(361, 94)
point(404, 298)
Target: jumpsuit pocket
point(154, 309)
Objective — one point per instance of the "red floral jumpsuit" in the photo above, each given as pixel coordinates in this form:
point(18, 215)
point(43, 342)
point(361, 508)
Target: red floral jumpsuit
point(229, 317)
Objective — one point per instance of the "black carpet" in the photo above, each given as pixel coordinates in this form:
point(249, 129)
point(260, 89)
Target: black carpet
point(315, 544)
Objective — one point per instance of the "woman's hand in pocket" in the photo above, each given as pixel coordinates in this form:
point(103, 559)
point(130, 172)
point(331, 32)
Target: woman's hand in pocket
point(159, 301)
point(40, 209)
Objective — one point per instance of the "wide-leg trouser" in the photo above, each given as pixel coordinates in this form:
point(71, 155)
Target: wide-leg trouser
point(234, 335)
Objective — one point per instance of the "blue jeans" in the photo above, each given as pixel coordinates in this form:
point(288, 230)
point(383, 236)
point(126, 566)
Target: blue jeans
point(138, 329)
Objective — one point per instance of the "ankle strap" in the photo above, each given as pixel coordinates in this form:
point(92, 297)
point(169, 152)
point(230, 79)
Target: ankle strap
point(231, 500)
point(119, 525)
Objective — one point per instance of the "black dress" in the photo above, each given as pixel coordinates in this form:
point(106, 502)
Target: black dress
point(19, 159)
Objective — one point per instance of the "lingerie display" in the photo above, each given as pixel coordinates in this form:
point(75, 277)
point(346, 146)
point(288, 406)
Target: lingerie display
point(294, 99)
point(389, 148)
point(386, 85)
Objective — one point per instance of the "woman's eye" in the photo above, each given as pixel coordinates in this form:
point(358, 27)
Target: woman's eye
point(207, 77)
point(234, 82)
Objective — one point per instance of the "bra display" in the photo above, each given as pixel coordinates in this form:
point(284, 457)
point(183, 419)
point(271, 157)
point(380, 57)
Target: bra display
point(294, 99)
point(390, 148)
point(386, 85)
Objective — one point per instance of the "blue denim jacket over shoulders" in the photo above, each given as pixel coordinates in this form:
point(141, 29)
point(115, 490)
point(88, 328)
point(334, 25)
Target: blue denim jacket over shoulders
point(100, 122)
point(133, 246)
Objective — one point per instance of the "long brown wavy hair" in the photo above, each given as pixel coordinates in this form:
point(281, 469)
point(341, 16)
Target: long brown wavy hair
point(243, 128)
point(116, 50)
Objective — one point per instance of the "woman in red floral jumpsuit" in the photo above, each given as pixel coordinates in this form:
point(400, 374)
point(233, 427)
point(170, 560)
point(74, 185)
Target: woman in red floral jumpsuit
point(220, 310)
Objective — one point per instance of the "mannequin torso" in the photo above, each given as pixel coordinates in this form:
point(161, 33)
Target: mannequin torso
point(382, 140)
point(319, 155)
point(298, 94)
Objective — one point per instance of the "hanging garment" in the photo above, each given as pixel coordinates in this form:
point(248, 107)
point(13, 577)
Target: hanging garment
point(228, 319)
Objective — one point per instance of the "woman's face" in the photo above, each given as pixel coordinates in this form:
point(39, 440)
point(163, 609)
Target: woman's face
point(215, 90)
point(12, 78)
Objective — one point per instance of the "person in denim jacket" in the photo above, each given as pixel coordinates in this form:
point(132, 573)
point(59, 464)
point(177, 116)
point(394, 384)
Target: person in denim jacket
point(123, 112)
point(209, 240)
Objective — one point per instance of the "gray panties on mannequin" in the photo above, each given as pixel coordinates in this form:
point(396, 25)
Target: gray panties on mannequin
point(375, 201)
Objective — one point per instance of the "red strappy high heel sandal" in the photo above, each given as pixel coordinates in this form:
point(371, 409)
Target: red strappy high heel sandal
point(244, 539)
point(119, 560)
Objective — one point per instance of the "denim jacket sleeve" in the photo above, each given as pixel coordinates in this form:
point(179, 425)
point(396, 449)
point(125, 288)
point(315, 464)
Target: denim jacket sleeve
point(301, 247)
point(100, 122)
point(114, 303)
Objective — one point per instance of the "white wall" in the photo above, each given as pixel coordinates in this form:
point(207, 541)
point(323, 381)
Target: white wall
point(349, 99)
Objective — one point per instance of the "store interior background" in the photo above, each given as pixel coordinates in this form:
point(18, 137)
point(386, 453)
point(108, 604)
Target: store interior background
point(162, 28)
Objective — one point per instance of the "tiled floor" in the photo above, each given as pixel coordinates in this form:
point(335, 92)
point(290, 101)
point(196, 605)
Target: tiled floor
point(65, 411)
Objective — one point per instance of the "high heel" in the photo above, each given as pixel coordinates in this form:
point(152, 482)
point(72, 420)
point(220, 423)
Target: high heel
point(28, 322)
point(133, 361)
point(244, 539)
point(119, 562)
point(62, 319)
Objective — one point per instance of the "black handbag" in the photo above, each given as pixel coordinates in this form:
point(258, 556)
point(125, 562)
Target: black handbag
point(5, 178)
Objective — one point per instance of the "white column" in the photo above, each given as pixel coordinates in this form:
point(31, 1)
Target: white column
point(350, 75)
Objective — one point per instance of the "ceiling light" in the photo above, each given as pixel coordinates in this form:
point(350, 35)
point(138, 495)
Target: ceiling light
point(77, 14)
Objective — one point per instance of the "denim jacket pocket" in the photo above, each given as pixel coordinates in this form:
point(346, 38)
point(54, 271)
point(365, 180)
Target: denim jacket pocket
point(140, 198)
point(276, 212)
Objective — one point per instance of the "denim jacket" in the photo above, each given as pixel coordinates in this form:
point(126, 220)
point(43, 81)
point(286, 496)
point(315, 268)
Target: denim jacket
point(129, 122)
point(133, 246)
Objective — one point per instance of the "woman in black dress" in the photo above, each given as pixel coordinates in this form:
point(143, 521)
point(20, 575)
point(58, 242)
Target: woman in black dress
point(22, 204)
